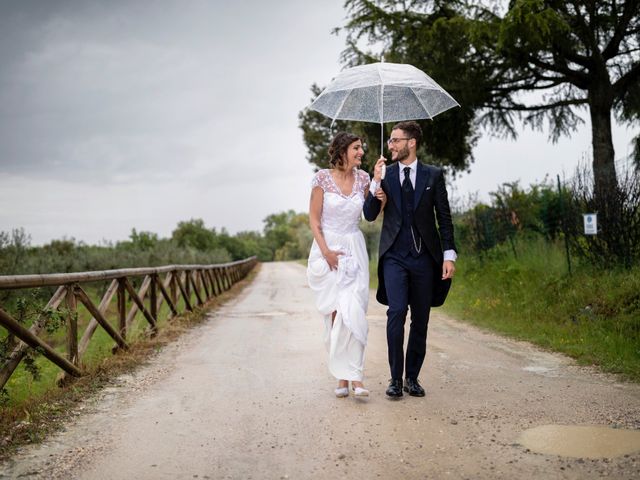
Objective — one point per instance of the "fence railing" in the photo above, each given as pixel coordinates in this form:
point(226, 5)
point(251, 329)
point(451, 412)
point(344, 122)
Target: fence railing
point(191, 283)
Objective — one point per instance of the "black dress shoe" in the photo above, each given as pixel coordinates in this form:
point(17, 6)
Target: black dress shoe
point(395, 388)
point(412, 386)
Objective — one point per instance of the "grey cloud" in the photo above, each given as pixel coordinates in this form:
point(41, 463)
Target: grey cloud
point(144, 113)
point(92, 89)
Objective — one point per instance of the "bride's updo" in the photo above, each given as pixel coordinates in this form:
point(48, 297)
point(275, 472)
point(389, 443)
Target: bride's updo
point(338, 149)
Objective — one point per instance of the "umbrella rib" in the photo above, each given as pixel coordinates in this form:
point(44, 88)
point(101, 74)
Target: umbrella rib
point(381, 110)
point(342, 105)
point(421, 103)
point(381, 95)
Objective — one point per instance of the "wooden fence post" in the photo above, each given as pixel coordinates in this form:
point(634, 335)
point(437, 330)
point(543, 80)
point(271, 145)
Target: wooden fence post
point(187, 285)
point(185, 295)
point(209, 274)
point(122, 308)
point(153, 297)
point(72, 325)
point(138, 301)
point(167, 296)
point(205, 285)
point(174, 288)
point(194, 281)
point(216, 274)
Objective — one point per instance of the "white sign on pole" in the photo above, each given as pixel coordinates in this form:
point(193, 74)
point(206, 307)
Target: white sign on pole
point(590, 223)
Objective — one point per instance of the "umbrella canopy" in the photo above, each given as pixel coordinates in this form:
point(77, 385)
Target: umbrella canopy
point(383, 92)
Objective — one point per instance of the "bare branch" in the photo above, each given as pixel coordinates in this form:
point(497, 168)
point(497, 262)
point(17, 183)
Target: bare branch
point(630, 9)
point(629, 52)
point(549, 106)
point(627, 80)
point(586, 30)
point(579, 79)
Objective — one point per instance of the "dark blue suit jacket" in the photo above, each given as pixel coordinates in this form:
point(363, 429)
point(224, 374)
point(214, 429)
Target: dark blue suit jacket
point(430, 205)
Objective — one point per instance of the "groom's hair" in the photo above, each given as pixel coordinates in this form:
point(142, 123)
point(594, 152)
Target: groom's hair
point(411, 129)
point(338, 148)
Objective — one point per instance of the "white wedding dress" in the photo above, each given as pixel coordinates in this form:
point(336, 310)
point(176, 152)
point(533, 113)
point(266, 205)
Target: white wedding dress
point(345, 290)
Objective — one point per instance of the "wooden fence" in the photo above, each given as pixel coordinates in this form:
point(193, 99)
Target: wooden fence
point(193, 283)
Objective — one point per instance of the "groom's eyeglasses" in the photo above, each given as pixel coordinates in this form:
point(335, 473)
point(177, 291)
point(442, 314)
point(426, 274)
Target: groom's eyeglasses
point(394, 141)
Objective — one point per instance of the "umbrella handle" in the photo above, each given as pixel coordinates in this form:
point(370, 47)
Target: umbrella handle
point(381, 109)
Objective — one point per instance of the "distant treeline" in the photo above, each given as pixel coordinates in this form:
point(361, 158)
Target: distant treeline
point(545, 210)
point(285, 236)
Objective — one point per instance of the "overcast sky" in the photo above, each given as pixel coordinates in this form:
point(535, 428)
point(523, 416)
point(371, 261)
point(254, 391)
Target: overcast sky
point(139, 114)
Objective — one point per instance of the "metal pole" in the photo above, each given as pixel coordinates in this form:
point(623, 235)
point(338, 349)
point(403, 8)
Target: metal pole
point(562, 224)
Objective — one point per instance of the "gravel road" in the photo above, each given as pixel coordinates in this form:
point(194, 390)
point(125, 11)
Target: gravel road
point(247, 395)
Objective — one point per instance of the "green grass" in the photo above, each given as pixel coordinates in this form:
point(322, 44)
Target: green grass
point(592, 316)
point(35, 408)
point(22, 387)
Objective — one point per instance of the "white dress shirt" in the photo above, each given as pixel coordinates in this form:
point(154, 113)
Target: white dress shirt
point(447, 254)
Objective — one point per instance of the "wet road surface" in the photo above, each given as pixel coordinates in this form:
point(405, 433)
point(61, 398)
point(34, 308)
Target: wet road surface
point(247, 395)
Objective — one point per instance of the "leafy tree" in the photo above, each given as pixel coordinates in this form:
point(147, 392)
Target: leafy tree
point(513, 212)
point(61, 247)
point(477, 229)
point(584, 54)
point(194, 234)
point(254, 244)
point(244, 245)
point(14, 247)
point(60, 256)
point(276, 229)
point(287, 235)
point(565, 56)
point(143, 241)
point(519, 209)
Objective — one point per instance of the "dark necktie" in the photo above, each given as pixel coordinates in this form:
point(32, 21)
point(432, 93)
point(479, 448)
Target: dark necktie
point(407, 188)
point(407, 194)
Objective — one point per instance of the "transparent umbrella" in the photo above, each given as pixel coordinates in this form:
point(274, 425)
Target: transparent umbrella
point(383, 92)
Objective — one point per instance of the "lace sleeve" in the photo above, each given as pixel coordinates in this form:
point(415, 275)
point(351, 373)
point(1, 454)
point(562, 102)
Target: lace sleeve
point(316, 181)
point(321, 179)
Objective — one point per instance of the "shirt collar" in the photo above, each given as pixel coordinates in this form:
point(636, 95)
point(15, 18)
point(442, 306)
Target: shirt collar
point(413, 166)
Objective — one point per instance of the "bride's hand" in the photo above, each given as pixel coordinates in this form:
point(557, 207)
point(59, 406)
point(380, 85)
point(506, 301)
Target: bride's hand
point(380, 195)
point(332, 259)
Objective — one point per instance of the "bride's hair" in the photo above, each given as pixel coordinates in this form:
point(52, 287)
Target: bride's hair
point(338, 148)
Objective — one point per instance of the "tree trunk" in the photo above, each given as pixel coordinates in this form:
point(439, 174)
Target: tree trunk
point(604, 169)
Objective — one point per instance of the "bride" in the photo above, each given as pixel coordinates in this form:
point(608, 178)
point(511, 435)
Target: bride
point(338, 267)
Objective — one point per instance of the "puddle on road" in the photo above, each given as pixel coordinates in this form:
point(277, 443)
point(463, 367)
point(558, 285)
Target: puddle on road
point(545, 371)
point(581, 441)
point(537, 369)
point(270, 314)
point(256, 314)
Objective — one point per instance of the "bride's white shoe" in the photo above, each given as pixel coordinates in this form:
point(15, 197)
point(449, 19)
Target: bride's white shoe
point(360, 392)
point(342, 392)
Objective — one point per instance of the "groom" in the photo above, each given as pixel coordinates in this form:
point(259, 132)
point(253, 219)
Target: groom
point(413, 270)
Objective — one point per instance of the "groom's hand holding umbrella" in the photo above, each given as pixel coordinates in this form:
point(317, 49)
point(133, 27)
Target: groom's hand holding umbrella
point(379, 170)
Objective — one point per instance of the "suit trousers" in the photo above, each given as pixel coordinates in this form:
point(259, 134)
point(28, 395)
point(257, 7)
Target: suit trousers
point(409, 283)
